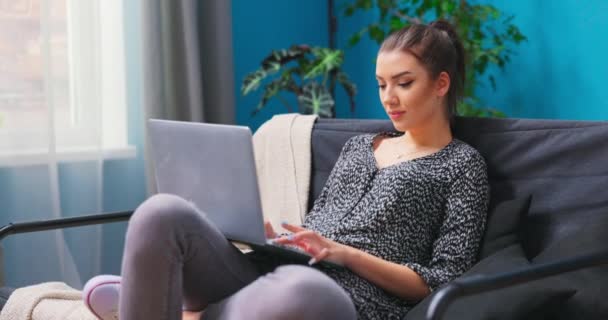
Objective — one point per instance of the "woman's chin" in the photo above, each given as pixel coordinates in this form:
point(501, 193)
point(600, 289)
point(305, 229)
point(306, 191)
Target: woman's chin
point(400, 126)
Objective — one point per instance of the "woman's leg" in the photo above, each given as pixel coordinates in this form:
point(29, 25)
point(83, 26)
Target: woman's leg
point(290, 292)
point(173, 256)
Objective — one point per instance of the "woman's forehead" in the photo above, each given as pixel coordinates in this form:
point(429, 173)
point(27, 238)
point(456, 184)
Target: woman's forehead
point(390, 63)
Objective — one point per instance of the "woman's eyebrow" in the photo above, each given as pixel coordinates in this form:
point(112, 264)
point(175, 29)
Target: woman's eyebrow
point(395, 75)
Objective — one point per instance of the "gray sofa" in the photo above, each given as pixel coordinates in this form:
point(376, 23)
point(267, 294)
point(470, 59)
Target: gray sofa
point(554, 264)
point(563, 166)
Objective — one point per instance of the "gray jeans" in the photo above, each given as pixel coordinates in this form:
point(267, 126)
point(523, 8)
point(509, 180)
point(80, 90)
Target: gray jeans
point(175, 258)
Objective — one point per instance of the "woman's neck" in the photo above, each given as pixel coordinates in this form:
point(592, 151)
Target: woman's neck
point(436, 134)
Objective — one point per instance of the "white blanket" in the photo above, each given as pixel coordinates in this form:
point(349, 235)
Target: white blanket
point(283, 160)
point(46, 301)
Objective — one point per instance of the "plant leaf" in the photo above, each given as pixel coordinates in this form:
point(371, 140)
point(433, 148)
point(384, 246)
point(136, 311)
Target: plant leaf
point(315, 99)
point(356, 37)
point(273, 88)
point(376, 33)
point(252, 81)
point(271, 64)
point(326, 61)
point(492, 82)
point(395, 23)
point(278, 58)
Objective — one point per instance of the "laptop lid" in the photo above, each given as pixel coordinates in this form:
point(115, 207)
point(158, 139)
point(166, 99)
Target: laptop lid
point(212, 166)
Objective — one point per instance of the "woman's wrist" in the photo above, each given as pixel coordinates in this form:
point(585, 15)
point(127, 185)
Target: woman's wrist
point(347, 255)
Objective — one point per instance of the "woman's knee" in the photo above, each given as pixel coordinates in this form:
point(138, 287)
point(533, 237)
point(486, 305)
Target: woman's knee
point(162, 214)
point(306, 293)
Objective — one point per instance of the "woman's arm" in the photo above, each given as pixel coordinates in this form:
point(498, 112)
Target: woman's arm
point(460, 234)
point(397, 279)
point(392, 277)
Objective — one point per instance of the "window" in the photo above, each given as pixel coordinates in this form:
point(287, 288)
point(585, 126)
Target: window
point(62, 80)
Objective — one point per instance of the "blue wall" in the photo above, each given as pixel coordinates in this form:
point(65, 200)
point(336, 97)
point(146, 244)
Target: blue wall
point(557, 74)
point(261, 26)
point(561, 71)
point(360, 65)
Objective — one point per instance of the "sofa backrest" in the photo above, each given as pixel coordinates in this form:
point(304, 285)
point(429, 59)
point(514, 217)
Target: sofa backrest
point(563, 164)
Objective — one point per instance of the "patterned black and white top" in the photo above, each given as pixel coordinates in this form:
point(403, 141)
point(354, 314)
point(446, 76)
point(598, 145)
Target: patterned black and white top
point(427, 214)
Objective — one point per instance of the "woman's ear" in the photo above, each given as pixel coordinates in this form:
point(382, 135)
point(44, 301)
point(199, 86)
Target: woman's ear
point(442, 85)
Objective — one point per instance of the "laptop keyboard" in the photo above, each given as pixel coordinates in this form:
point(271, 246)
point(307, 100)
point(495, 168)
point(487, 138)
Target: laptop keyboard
point(291, 247)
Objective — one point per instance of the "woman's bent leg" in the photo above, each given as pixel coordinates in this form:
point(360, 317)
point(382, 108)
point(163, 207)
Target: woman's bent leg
point(173, 256)
point(290, 292)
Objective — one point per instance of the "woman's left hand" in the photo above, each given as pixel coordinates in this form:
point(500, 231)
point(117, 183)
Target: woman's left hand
point(319, 247)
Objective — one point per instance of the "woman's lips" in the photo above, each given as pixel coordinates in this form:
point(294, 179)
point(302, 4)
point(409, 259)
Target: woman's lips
point(396, 114)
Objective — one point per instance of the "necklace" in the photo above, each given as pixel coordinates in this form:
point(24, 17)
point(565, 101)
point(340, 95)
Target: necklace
point(404, 154)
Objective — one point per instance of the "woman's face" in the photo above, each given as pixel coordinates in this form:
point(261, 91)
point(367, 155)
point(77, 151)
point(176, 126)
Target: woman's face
point(410, 97)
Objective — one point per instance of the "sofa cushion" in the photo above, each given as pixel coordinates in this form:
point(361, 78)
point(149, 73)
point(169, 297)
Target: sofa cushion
point(502, 227)
point(522, 301)
point(561, 162)
point(588, 235)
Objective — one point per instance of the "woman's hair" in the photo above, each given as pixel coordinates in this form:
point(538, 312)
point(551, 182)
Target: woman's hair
point(438, 47)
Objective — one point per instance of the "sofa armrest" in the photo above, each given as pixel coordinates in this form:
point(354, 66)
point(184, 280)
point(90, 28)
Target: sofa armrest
point(41, 225)
point(477, 284)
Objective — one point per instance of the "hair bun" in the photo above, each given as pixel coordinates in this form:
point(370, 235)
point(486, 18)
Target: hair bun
point(450, 30)
point(446, 26)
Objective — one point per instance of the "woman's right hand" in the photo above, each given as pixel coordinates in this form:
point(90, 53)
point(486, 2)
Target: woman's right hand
point(270, 233)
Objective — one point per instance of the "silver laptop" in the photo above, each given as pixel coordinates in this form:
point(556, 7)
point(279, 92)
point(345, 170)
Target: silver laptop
point(213, 166)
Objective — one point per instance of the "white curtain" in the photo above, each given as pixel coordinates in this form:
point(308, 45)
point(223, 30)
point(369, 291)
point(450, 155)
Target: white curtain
point(63, 127)
point(75, 76)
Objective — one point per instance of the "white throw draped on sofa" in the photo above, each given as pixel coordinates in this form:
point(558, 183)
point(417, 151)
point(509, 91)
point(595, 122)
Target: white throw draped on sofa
point(283, 160)
point(46, 301)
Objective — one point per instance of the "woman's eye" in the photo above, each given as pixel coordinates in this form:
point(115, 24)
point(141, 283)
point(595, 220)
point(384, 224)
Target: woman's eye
point(381, 86)
point(405, 84)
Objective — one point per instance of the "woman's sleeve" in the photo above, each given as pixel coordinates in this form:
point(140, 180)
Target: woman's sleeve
point(455, 249)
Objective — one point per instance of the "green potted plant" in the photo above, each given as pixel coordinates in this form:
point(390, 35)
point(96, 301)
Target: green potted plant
point(304, 71)
point(485, 33)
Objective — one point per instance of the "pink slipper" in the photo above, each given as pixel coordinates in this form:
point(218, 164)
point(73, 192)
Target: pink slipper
point(100, 295)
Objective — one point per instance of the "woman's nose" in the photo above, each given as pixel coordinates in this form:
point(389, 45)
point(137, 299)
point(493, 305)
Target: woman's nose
point(389, 98)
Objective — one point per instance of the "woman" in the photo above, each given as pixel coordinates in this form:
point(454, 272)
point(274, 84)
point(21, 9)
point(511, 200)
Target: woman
point(403, 212)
